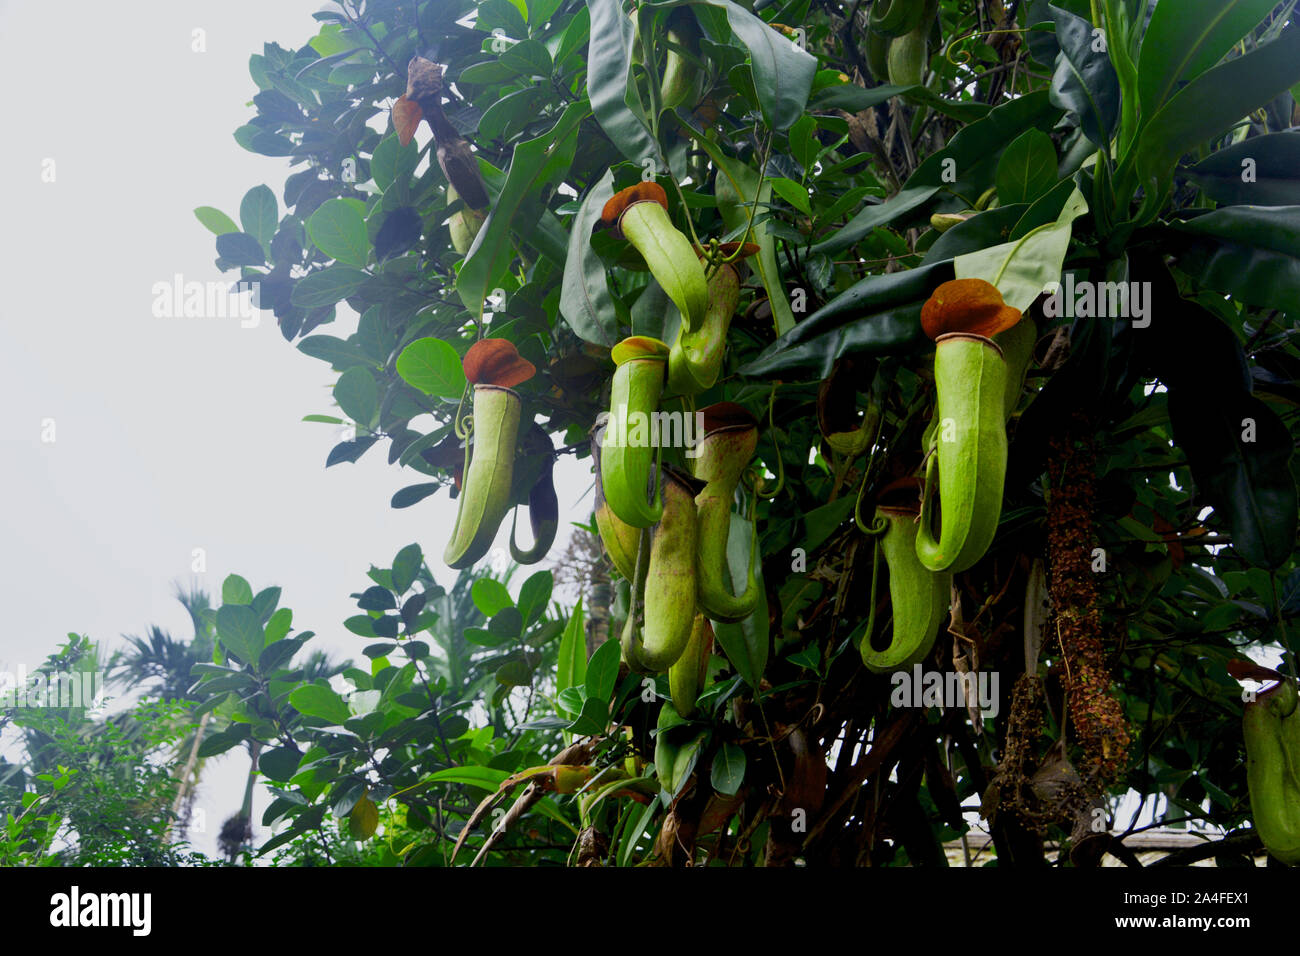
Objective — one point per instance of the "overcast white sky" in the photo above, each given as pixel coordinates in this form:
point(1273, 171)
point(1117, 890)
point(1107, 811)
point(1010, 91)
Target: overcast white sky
point(170, 434)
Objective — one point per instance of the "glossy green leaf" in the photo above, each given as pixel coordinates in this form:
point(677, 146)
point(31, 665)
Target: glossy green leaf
point(336, 351)
point(278, 626)
point(1260, 171)
point(534, 595)
point(602, 670)
point(571, 668)
point(528, 58)
point(507, 623)
point(792, 193)
point(536, 163)
point(585, 300)
point(486, 778)
point(279, 763)
point(1249, 252)
point(241, 249)
point(413, 494)
point(1187, 37)
point(876, 315)
point(406, 567)
point(392, 163)
point(327, 286)
point(339, 230)
point(1084, 82)
point(358, 395)
point(259, 213)
point(434, 367)
point(1028, 266)
point(1215, 100)
point(490, 596)
point(236, 590)
point(1027, 169)
point(728, 771)
point(214, 220)
point(783, 73)
point(318, 700)
point(616, 105)
point(854, 99)
point(240, 631)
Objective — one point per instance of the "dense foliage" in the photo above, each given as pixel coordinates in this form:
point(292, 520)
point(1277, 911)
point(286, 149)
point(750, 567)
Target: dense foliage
point(1137, 157)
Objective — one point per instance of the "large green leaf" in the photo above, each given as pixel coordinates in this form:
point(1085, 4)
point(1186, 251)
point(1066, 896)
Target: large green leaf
point(617, 108)
point(1249, 252)
point(854, 99)
point(339, 230)
point(1260, 171)
point(783, 73)
point(987, 228)
point(241, 249)
point(585, 300)
point(432, 366)
point(490, 596)
point(602, 670)
point(1026, 267)
point(358, 395)
point(236, 590)
point(878, 314)
point(406, 567)
point(486, 778)
point(1084, 82)
point(259, 213)
point(728, 771)
point(1187, 37)
point(392, 163)
point(215, 221)
point(1027, 169)
point(328, 286)
point(536, 163)
point(745, 643)
point(1215, 100)
point(240, 631)
point(279, 763)
point(571, 668)
point(319, 700)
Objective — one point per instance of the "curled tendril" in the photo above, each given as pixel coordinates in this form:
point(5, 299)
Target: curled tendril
point(463, 424)
point(878, 524)
point(965, 55)
point(780, 466)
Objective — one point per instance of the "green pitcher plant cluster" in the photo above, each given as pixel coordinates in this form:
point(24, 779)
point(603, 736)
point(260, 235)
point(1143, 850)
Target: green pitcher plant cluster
point(839, 260)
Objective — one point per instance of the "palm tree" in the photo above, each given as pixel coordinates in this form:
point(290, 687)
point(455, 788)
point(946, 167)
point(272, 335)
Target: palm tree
point(160, 665)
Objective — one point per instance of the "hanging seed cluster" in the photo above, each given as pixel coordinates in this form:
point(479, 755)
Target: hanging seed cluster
point(1096, 715)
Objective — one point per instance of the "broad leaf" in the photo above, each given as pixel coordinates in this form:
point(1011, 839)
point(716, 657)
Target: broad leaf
point(1027, 169)
point(535, 164)
point(1187, 37)
point(434, 367)
point(1028, 266)
point(1214, 101)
